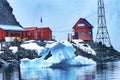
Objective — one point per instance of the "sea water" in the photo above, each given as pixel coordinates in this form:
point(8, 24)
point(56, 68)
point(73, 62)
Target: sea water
point(108, 71)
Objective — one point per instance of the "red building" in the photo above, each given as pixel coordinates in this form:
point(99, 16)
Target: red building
point(38, 33)
point(11, 31)
point(83, 30)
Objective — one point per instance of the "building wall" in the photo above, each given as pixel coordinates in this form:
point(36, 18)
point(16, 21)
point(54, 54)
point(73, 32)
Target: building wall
point(14, 34)
point(84, 34)
point(2, 35)
point(45, 33)
point(39, 33)
point(30, 34)
point(83, 31)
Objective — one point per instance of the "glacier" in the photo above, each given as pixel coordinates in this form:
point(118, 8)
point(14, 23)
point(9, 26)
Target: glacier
point(62, 54)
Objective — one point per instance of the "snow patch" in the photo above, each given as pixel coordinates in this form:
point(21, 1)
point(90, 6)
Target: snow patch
point(84, 47)
point(80, 60)
point(33, 46)
point(14, 49)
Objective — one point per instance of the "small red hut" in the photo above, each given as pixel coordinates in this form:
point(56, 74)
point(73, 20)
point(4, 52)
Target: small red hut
point(35, 33)
point(83, 30)
point(11, 31)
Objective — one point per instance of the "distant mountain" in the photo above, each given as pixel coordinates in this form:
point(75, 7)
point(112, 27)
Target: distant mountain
point(6, 15)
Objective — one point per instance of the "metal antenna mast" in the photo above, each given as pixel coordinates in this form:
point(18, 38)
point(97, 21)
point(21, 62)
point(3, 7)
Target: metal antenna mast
point(102, 32)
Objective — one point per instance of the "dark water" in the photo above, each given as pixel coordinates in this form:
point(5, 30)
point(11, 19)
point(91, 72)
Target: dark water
point(109, 71)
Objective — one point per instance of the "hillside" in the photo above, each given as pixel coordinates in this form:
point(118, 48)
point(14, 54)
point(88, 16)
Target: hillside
point(6, 15)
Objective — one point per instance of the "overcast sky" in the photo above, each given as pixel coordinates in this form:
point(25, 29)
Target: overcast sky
point(61, 15)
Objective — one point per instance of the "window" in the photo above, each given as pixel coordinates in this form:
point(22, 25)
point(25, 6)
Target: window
point(35, 34)
point(6, 34)
point(76, 35)
point(82, 33)
point(81, 25)
point(29, 33)
point(14, 34)
point(90, 33)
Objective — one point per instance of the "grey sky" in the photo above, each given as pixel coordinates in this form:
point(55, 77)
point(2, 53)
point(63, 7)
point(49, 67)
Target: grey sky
point(61, 15)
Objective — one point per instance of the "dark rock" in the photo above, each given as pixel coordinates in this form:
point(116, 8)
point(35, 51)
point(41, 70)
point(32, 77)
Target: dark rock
point(49, 55)
point(6, 15)
point(23, 53)
point(8, 55)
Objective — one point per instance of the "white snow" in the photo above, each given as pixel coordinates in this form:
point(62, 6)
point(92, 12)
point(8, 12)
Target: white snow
point(1, 52)
point(29, 41)
point(33, 46)
point(61, 51)
point(49, 42)
point(77, 41)
point(14, 49)
point(9, 39)
point(84, 47)
point(80, 60)
point(12, 27)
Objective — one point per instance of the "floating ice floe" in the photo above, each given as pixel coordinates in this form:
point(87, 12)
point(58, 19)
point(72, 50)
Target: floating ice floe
point(62, 53)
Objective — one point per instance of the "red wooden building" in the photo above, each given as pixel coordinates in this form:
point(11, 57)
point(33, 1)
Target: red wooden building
point(38, 33)
point(83, 30)
point(11, 31)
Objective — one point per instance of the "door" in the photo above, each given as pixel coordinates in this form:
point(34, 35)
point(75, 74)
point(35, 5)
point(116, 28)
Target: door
point(76, 35)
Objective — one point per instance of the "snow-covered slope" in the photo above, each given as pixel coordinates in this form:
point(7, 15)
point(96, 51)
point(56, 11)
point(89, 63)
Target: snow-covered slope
point(84, 47)
point(61, 52)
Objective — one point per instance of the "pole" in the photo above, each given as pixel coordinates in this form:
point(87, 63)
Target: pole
point(41, 28)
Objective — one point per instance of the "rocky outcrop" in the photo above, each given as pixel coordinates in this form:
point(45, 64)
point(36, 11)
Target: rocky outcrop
point(103, 53)
point(6, 15)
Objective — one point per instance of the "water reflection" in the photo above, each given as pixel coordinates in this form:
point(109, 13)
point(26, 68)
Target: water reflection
point(9, 74)
point(74, 73)
point(109, 71)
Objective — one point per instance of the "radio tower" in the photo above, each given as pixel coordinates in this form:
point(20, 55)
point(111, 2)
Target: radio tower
point(102, 32)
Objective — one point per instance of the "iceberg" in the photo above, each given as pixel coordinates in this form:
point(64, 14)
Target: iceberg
point(58, 53)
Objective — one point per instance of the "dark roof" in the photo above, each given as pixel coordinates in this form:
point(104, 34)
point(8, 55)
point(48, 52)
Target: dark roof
point(85, 21)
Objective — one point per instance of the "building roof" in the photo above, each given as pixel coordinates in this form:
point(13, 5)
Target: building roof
point(34, 28)
point(81, 22)
point(45, 28)
point(30, 28)
point(12, 27)
point(85, 21)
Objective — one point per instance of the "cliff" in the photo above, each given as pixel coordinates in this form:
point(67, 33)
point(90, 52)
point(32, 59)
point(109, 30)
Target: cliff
point(6, 15)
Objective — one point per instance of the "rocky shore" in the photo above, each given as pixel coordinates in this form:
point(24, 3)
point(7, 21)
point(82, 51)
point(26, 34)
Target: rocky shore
point(103, 53)
point(7, 57)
